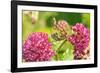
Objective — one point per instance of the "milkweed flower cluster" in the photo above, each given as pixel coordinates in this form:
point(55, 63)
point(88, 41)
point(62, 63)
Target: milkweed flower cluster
point(37, 48)
point(62, 26)
point(80, 40)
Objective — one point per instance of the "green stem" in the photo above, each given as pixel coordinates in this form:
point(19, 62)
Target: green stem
point(57, 57)
point(61, 45)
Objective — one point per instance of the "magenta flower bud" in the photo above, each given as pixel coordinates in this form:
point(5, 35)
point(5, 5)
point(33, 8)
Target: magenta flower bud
point(37, 48)
point(80, 40)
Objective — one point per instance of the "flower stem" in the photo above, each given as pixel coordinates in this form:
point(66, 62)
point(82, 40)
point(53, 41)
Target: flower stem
point(61, 45)
point(57, 57)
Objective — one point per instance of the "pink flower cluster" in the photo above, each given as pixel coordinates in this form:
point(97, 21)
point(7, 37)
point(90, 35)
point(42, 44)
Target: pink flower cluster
point(62, 26)
point(37, 48)
point(80, 40)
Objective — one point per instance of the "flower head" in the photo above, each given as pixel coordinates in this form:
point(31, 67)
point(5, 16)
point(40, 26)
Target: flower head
point(37, 48)
point(62, 26)
point(80, 40)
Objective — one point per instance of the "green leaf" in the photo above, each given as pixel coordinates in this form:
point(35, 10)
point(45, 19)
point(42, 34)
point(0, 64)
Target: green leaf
point(66, 51)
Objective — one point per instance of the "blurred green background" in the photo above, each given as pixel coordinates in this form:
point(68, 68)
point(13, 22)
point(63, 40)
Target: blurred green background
point(42, 21)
